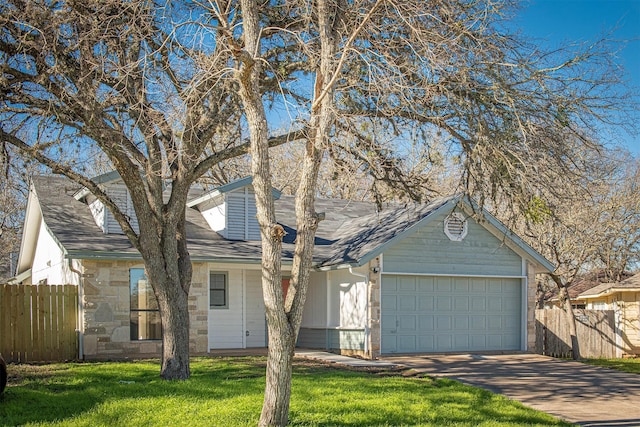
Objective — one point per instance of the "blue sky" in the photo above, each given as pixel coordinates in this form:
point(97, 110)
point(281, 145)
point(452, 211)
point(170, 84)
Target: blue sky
point(553, 22)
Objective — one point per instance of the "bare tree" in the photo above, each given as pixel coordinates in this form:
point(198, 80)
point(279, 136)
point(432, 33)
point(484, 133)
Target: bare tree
point(167, 90)
point(590, 225)
point(120, 79)
point(14, 189)
point(618, 220)
point(404, 69)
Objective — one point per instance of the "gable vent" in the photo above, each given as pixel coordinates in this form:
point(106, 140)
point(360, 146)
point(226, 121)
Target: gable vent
point(455, 227)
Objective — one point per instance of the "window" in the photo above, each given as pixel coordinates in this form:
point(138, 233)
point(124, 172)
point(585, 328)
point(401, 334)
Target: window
point(599, 305)
point(144, 315)
point(455, 227)
point(218, 290)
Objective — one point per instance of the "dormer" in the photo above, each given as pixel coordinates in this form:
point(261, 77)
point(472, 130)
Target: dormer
point(114, 187)
point(230, 210)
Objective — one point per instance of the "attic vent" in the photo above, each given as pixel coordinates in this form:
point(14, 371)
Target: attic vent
point(455, 227)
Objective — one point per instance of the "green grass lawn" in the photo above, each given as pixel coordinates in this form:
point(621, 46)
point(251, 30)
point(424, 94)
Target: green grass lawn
point(228, 392)
point(626, 365)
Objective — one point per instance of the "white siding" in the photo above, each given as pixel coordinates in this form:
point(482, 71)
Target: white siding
point(98, 211)
point(226, 324)
point(215, 217)
point(347, 300)
point(255, 315)
point(315, 306)
point(49, 263)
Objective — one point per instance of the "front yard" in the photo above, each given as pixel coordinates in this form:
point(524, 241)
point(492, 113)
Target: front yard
point(228, 392)
point(631, 365)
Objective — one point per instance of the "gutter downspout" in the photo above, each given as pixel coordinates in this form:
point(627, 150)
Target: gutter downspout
point(80, 328)
point(366, 308)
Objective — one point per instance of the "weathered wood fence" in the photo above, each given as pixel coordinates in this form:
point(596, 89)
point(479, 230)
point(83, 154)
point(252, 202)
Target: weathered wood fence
point(595, 330)
point(38, 322)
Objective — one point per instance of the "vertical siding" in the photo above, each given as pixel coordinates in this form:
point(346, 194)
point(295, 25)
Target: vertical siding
point(120, 195)
point(313, 338)
point(226, 324)
point(341, 339)
point(331, 339)
point(315, 306)
point(253, 228)
point(242, 223)
point(255, 314)
point(235, 216)
point(429, 250)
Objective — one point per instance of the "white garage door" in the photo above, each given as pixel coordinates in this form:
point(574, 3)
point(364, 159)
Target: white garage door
point(444, 314)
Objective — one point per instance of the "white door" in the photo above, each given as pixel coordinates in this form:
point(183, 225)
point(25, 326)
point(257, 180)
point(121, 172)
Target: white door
point(256, 326)
point(446, 314)
point(226, 329)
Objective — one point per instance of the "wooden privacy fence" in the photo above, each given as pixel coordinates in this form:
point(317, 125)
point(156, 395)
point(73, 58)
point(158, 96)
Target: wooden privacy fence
point(38, 322)
point(595, 331)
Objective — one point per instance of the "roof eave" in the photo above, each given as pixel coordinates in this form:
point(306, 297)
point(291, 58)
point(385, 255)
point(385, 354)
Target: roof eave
point(450, 204)
point(607, 293)
point(227, 188)
point(135, 256)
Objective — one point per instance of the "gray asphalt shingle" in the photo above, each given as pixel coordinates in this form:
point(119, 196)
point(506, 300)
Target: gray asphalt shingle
point(350, 231)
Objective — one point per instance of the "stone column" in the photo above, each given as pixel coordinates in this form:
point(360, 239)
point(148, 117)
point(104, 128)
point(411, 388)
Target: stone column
point(531, 308)
point(373, 315)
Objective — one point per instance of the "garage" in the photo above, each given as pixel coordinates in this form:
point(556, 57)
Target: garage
point(433, 314)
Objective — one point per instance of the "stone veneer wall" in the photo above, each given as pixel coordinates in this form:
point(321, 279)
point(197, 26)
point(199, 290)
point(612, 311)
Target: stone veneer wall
point(105, 293)
point(373, 316)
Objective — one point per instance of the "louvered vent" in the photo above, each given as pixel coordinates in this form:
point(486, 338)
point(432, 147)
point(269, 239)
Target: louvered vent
point(455, 227)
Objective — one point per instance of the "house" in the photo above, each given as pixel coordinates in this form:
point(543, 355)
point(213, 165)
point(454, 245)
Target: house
point(582, 284)
point(624, 299)
point(413, 279)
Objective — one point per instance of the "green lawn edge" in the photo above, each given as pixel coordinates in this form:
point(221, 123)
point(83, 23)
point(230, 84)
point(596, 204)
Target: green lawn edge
point(225, 391)
point(630, 365)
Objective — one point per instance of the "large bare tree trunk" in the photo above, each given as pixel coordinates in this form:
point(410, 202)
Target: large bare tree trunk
point(571, 317)
point(281, 336)
point(169, 270)
point(174, 314)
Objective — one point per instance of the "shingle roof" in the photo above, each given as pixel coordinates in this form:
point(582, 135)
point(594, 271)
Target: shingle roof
point(630, 284)
point(74, 228)
point(585, 285)
point(350, 231)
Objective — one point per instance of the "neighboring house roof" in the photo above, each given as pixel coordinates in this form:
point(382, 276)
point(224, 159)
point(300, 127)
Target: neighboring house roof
point(585, 284)
point(352, 233)
point(631, 284)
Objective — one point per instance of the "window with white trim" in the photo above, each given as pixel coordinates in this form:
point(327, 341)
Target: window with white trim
point(218, 290)
point(455, 227)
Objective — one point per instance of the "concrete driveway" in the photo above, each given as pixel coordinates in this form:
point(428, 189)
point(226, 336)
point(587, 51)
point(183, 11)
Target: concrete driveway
point(578, 393)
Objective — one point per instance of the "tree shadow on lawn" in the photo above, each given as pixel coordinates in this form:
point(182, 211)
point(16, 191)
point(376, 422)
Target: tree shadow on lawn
point(229, 391)
point(388, 398)
point(48, 393)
